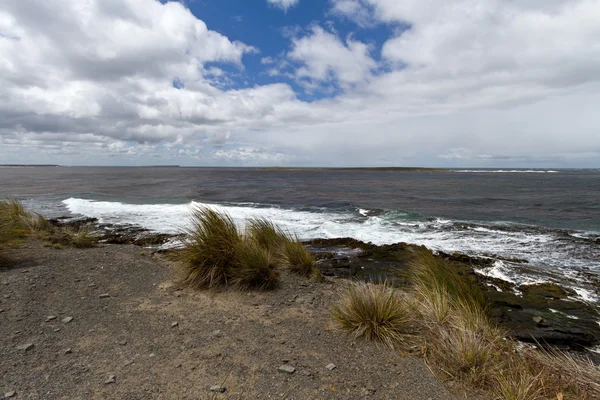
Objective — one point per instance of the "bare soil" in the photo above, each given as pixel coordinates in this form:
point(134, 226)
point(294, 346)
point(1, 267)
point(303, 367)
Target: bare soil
point(163, 341)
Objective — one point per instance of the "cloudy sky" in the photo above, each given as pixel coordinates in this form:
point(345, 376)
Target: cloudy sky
point(301, 82)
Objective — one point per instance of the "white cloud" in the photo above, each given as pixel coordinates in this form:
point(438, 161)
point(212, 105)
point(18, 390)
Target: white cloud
point(283, 4)
point(484, 82)
point(326, 58)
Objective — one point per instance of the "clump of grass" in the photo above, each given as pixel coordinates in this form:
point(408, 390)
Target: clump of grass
point(432, 274)
point(293, 255)
point(373, 312)
point(518, 383)
point(266, 234)
point(253, 268)
point(216, 253)
point(563, 372)
point(82, 237)
point(210, 248)
point(287, 249)
point(465, 354)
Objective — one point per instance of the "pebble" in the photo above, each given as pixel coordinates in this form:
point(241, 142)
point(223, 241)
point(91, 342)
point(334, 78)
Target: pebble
point(123, 342)
point(217, 333)
point(57, 330)
point(66, 320)
point(68, 351)
point(50, 318)
point(218, 388)
point(104, 296)
point(111, 379)
point(286, 368)
point(174, 324)
point(1, 310)
point(331, 366)
point(10, 394)
point(26, 346)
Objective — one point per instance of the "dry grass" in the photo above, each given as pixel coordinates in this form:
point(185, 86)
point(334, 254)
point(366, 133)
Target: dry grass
point(518, 383)
point(254, 268)
point(81, 238)
point(293, 255)
point(216, 254)
point(210, 248)
point(374, 312)
point(266, 234)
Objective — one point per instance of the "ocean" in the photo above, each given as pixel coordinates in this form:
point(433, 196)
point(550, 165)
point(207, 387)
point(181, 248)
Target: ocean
point(550, 218)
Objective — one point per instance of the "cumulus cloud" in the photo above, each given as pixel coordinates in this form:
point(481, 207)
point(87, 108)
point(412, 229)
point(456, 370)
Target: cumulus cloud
point(472, 83)
point(326, 58)
point(283, 4)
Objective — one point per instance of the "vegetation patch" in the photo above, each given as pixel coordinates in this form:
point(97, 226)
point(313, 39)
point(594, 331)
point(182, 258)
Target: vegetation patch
point(374, 312)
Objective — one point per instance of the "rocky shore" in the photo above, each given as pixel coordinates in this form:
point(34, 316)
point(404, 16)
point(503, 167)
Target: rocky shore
point(545, 313)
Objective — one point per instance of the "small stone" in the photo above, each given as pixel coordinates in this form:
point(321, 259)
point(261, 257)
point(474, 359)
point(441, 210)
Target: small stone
point(152, 355)
point(1, 310)
point(57, 330)
point(331, 366)
point(287, 369)
point(92, 285)
point(130, 362)
point(104, 296)
point(66, 320)
point(68, 351)
point(50, 318)
point(174, 324)
point(26, 346)
point(123, 342)
point(24, 271)
point(111, 379)
point(218, 388)
point(217, 333)
point(538, 320)
point(10, 394)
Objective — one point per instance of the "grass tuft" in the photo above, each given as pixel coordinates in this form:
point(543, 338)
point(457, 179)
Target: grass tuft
point(518, 383)
point(210, 248)
point(266, 234)
point(82, 238)
point(254, 268)
point(373, 312)
point(293, 255)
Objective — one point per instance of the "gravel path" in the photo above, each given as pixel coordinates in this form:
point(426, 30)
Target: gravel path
point(112, 323)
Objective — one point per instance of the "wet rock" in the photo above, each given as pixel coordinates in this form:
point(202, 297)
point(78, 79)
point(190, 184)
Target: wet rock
point(288, 369)
point(545, 291)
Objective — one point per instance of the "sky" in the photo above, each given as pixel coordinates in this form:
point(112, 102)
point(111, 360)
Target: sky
point(330, 83)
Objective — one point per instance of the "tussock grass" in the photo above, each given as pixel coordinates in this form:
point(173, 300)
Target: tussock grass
point(373, 312)
point(82, 238)
point(285, 248)
point(254, 268)
point(574, 376)
point(293, 255)
point(210, 248)
point(266, 234)
point(432, 274)
point(518, 383)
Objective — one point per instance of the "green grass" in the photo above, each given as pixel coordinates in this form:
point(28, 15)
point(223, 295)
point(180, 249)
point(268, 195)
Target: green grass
point(373, 312)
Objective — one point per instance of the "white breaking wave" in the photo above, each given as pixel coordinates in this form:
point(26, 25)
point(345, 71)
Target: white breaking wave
point(439, 234)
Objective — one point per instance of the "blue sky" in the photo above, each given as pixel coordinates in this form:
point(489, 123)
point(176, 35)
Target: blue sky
point(458, 83)
point(269, 29)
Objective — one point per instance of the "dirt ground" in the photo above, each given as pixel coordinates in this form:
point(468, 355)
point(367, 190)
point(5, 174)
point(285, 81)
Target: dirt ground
point(124, 329)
